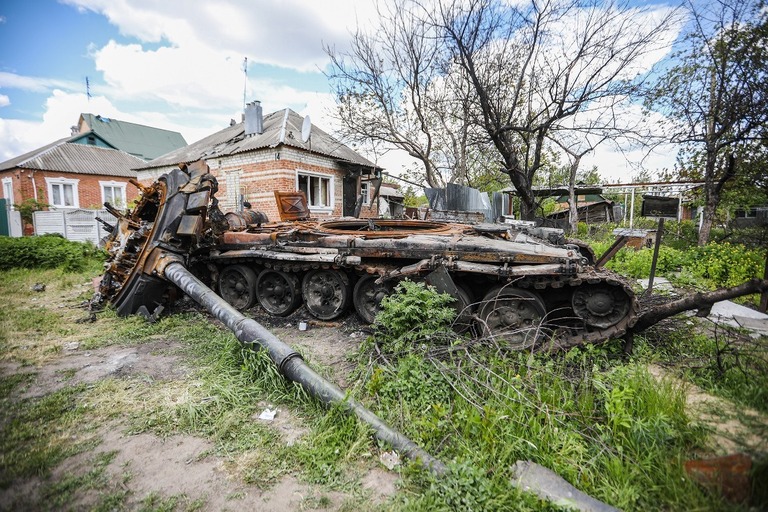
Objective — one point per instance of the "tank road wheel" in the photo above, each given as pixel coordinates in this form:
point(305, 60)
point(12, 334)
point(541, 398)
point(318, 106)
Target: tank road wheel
point(512, 315)
point(326, 293)
point(237, 285)
point(367, 297)
point(601, 305)
point(278, 292)
point(463, 306)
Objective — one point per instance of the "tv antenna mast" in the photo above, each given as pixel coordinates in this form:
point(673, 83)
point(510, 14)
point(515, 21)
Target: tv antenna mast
point(245, 79)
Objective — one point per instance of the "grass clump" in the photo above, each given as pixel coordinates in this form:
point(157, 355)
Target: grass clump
point(48, 251)
point(36, 434)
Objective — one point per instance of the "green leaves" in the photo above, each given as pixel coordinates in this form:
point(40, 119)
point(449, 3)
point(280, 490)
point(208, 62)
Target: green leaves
point(47, 251)
point(413, 314)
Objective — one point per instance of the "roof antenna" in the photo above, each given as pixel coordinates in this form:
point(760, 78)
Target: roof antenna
point(245, 80)
point(88, 89)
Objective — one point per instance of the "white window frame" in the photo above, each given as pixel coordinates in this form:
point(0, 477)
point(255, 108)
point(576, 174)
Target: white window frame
point(365, 188)
point(331, 190)
point(113, 184)
point(51, 182)
point(8, 191)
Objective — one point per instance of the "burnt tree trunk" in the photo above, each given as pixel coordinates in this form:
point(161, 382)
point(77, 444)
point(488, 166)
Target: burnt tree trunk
point(697, 301)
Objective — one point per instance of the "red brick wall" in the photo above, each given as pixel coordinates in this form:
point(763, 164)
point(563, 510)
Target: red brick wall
point(88, 187)
point(266, 170)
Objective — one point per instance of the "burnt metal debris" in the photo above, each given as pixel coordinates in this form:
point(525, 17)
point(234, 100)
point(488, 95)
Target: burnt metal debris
point(521, 286)
point(527, 287)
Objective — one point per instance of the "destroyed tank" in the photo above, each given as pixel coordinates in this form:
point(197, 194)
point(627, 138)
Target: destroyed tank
point(521, 285)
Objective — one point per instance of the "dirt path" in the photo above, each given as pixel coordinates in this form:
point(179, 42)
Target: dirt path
point(733, 430)
point(149, 471)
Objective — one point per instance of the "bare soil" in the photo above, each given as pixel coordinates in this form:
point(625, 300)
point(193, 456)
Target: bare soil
point(733, 430)
point(146, 465)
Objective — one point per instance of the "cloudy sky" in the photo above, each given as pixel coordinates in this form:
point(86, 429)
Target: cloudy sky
point(178, 65)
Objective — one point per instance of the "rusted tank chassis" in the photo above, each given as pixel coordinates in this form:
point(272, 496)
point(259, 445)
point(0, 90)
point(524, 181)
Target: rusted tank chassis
point(525, 287)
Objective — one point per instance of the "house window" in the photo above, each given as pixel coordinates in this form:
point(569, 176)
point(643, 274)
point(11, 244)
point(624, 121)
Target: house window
point(113, 192)
point(62, 192)
point(365, 190)
point(8, 191)
point(318, 189)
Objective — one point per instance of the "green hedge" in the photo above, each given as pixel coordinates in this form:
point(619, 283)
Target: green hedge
point(47, 251)
point(714, 265)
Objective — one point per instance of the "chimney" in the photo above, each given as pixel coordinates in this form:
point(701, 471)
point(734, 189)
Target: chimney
point(254, 121)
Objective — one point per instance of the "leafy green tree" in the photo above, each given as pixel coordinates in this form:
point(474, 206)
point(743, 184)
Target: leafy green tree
point(715, 96)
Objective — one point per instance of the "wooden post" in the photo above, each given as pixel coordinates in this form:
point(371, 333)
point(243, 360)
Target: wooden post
point(764, 295)
point(659, 233)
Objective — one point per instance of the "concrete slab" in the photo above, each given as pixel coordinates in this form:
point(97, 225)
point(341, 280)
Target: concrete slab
point(758, 325)
point(547, 484)
point(729, 313)
point(731, 309)
point(660, 284)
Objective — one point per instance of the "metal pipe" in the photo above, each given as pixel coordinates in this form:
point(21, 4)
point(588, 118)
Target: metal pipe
point(292, 366)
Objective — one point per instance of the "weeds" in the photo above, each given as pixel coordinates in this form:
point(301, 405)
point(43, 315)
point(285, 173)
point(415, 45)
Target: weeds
point(602, 423)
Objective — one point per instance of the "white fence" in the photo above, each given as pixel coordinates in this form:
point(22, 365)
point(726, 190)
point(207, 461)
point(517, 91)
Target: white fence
point(77, 225)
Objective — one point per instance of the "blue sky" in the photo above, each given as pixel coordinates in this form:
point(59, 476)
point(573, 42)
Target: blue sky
point(174, 64)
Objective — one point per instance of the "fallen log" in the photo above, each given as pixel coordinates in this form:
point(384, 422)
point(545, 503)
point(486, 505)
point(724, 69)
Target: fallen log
point(702, 301)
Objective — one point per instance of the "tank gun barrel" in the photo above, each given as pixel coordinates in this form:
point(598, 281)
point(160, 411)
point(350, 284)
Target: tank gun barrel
point(291, 365)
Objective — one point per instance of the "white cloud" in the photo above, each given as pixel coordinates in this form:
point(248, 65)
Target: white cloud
point(4, 100)
point(35, 83)
point(289, 33)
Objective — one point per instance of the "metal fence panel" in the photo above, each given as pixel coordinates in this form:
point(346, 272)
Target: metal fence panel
point(76, 225)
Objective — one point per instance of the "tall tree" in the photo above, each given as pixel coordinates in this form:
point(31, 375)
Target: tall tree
point(448, 80)
point(716, 95)
point(534, 65)
point(391, 86)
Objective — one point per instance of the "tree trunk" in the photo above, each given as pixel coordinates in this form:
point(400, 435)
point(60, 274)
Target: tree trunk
point(573, 212)
point(708, 219)
point(697, 301)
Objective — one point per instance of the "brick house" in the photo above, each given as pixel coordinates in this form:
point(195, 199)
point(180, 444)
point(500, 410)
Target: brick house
point(70, 175)
point(91, 166)
point(262, 154)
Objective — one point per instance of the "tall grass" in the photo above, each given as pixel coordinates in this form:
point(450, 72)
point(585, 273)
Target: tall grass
point(603, 423)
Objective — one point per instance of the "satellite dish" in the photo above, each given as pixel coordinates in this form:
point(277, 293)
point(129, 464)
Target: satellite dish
point(306, 129)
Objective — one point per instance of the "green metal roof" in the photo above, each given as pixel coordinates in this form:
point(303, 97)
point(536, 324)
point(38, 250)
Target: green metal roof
point(136, 139)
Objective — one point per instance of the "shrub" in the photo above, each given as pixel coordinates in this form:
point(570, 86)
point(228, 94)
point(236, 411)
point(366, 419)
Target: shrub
point(725, 264)
point(47, 251)
point(412, 314)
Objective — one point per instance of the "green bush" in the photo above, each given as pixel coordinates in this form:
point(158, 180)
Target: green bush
point(412, 314)
point(712, 266)
point(725, 264)
point(47, 251)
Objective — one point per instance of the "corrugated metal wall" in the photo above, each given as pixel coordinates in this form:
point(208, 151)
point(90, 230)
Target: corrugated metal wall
point(467, 199)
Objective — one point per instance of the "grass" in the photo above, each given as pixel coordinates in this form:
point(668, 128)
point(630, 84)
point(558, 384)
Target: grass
point(595, 417)
point(39, 433)
point(607, 427)
point(722, 361)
